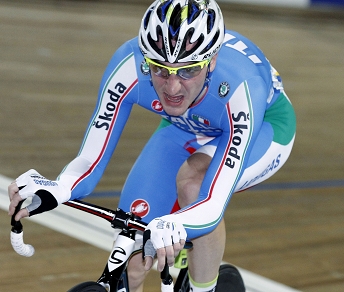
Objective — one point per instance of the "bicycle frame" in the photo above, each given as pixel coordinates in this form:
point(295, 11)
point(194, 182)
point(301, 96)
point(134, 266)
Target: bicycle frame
point(114, 277)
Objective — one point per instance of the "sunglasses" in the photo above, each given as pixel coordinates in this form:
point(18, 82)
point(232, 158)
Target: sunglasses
point(184, 72)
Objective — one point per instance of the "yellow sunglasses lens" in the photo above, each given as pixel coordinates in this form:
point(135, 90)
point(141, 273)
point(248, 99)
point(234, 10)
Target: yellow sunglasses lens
point(185, 72)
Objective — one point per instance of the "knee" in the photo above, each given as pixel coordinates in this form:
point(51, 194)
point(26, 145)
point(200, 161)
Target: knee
point(136, 273)
point(188, 190)
point(190, 177)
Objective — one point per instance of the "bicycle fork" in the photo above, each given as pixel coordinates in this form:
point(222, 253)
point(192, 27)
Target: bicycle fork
point(114, 277)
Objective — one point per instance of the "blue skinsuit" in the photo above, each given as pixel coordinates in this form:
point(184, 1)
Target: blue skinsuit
point(245, 122)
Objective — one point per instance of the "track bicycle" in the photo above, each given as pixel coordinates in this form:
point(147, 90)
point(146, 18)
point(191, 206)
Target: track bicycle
point(114, 277)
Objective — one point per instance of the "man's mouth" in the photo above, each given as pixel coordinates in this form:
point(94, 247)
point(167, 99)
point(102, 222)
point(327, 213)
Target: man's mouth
point(174, 99)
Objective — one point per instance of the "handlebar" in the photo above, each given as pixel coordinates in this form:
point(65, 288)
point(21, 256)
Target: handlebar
point(118, 219)
point(17, 233)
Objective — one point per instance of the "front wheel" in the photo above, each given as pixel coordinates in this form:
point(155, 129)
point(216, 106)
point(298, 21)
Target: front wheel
point(88, 287)
point(229, 279)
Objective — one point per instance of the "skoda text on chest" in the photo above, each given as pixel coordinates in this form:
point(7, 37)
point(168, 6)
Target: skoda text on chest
point(239, 129)
point(104, 119)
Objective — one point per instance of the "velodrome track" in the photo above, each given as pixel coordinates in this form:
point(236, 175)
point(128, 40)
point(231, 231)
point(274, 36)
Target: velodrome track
point(52, 57)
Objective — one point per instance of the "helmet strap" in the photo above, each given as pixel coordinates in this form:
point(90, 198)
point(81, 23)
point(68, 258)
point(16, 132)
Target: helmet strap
point(205, 85)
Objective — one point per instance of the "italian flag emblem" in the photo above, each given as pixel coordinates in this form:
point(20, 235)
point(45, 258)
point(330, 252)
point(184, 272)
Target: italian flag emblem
point(200, 120)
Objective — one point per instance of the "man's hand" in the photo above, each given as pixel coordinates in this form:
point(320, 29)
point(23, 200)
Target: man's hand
point(168, 239)
point(46, 194)
point(13, 193)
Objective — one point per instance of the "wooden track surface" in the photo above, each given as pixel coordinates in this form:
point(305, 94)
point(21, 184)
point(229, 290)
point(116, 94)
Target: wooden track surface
point(53, 54)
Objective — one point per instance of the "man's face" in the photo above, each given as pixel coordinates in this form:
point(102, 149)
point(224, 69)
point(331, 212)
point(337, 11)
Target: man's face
point(177, 94)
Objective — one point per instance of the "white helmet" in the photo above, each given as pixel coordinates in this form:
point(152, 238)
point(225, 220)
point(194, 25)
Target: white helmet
point(169, 26)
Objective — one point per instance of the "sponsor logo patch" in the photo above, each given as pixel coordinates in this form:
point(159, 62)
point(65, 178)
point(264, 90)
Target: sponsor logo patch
point(224, 89)
point(140, 207)
point(157, 106)
point(144, 68)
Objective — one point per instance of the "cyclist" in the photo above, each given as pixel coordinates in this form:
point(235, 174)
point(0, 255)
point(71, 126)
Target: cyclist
point(226, 125)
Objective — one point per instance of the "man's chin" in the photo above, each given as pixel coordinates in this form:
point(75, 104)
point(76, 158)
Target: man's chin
point(174, 111)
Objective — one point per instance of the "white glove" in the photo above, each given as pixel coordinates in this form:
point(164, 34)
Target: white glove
point(46, 194)
point(165, 233)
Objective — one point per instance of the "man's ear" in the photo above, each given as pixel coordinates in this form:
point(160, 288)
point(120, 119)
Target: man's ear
point(213, 63)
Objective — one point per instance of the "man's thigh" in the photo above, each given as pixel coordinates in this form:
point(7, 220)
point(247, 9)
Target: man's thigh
point(150, 189)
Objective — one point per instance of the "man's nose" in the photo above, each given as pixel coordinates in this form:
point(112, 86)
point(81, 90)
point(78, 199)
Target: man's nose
point(173, 84)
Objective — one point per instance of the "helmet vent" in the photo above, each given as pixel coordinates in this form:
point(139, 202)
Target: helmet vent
point(146, 19)
point(161, 10)
point(177, 21)
point(188, 35)
point(213, 41)
point(193, 12)
point(210, 20)
point(159, 47)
